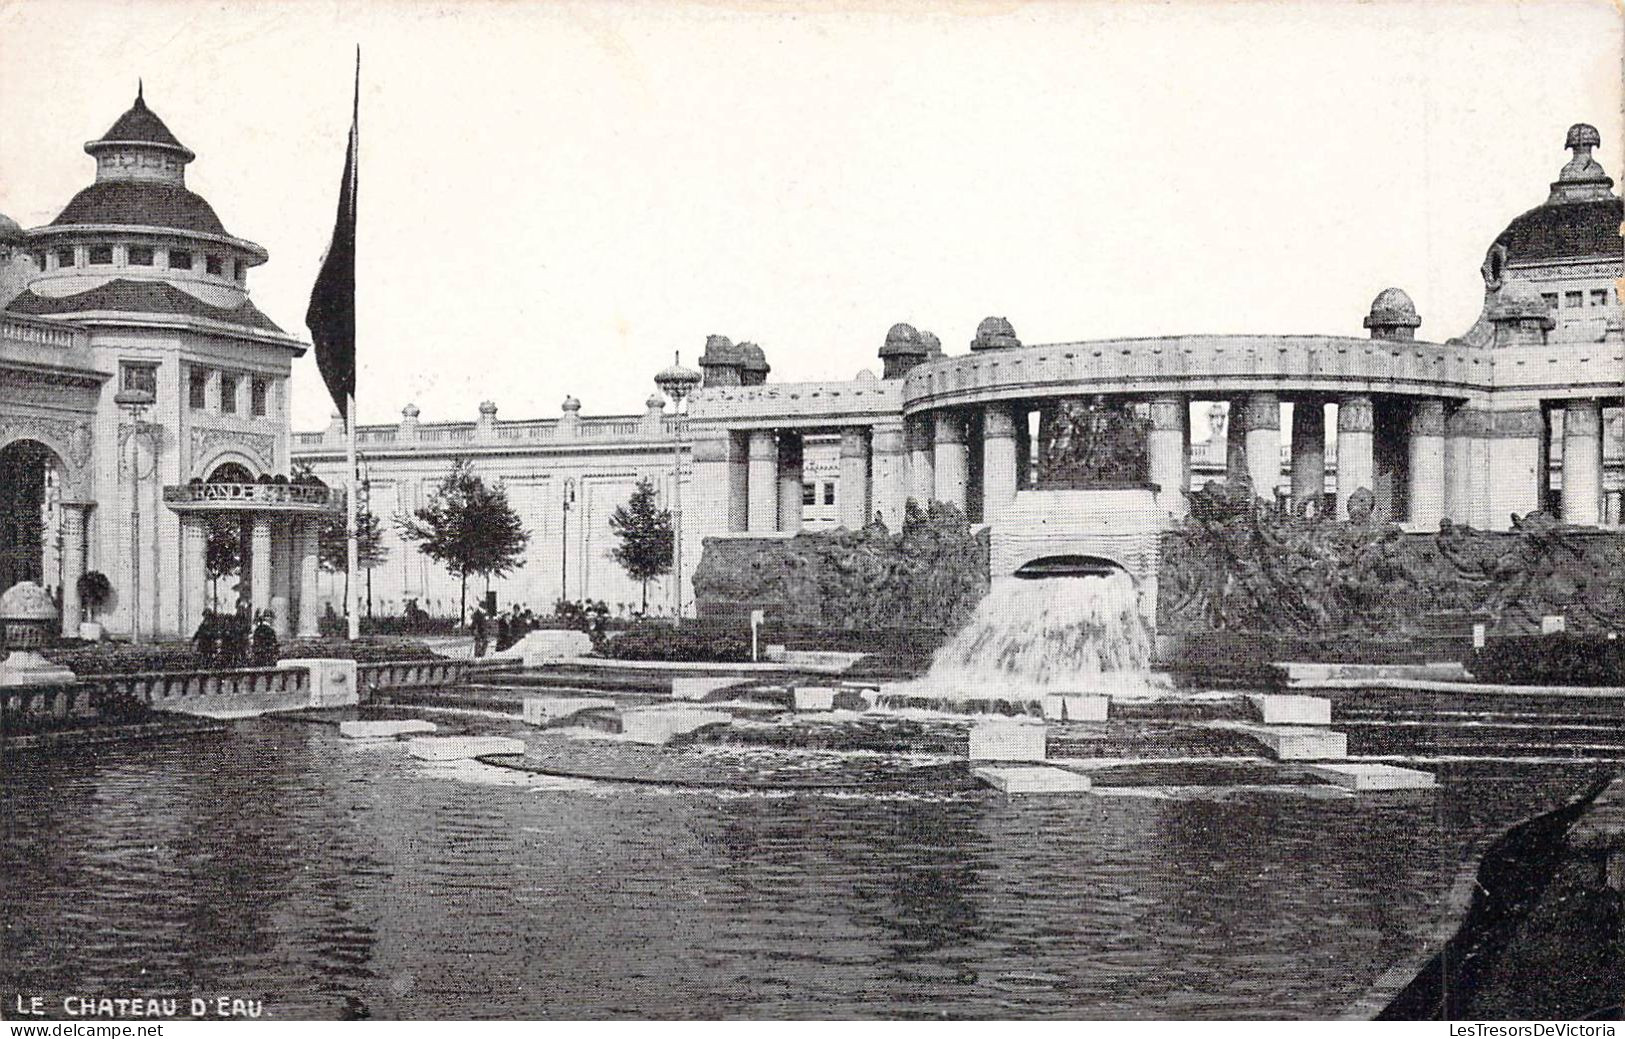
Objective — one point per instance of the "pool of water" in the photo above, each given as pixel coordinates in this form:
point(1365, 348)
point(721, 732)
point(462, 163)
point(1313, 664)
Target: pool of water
point(331, 879)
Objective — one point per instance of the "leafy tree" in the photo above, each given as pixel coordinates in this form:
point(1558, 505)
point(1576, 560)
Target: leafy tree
point(222, 555)
point(645, 551)
point(468, 528)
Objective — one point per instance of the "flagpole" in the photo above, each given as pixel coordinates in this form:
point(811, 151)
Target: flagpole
point(350, 547)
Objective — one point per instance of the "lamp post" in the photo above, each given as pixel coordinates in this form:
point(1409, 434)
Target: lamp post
point(136, 401)
point(677, 383)
point(567, 498)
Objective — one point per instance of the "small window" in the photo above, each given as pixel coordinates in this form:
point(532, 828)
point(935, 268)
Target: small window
point(829, 494)
point(213, 264)
point(241, 270)
point(138, 375)
point(141, 256)
point(180, 260)
point(259, 391)
point(64, 258)
point(197, 389)
point(1551, 300)
point(1599, 297)
point(1574, 299)
point(101, 254)
point(809, 494)
point(228, 394)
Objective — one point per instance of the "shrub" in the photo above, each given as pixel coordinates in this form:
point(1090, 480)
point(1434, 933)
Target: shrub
point(94, 590)
point(419, 624)
point(652, 641)
point(1550, 660)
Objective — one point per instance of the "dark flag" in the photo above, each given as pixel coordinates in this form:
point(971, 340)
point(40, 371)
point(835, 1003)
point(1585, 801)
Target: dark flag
point(331, 315)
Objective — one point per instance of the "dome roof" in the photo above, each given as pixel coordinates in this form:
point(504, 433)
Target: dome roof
point(1579, 220)
point(719, 350)
point(995, 333)
point(902, 340)
point(141, 297)
point(655, 402)
point(751, 357)
point(135, 203)
point(139, 125)
point(1392, 308)
point(933, 345)
point(570, 404)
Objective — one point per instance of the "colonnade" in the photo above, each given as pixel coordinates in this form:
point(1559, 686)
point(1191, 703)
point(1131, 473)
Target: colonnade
point(278, 568)
point(1423, 459)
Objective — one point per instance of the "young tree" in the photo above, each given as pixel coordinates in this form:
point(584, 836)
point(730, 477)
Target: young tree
point(645, 551)
point(222, 555)
point(332, 536)
point(468, 528)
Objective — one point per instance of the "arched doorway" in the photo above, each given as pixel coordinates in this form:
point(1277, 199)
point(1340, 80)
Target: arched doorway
point(223, 552)
point(30, 515)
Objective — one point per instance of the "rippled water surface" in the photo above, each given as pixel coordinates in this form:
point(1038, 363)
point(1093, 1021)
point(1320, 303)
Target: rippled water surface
point(339, 880)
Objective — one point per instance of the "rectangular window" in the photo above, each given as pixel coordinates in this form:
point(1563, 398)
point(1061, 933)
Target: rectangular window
point(180, 260)
point(1599, 297)
point(829, 494)
point(259, 392)
point(64, 258)
point(138, 375)
point(1574, 299)
point(1551, 300)
point(241, 270)
point(228, 394)
point(809, 494)
point(197, 389)
point(213, 264)
point(141, 256)
point(101, 254)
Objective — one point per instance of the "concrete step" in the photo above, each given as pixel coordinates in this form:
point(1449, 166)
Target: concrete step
point(661, 724)
point(544, 711)
point(386, 730)
point(1363, 776)
point(453, 748)
point(1292, 742)
point(1032, 779)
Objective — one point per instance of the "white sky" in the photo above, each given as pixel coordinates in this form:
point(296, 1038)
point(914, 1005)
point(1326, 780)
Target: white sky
point(555, 197)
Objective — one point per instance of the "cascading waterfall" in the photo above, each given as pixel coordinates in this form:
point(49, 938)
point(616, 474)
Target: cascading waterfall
point(1030, 637)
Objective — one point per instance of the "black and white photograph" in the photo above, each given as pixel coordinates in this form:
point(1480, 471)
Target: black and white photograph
point(762, 511)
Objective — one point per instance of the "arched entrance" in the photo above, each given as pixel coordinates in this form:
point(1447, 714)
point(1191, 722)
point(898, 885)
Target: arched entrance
point(223, 554)
point(30, 514)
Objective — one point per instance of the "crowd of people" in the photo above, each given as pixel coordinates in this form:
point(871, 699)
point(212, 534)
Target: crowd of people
point(514, 623)
point(240, 639)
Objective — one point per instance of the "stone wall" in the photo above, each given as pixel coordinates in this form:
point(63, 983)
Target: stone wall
point(1238, 566)
point(930, 575)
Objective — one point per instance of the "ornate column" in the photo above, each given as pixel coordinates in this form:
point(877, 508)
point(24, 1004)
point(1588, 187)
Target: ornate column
point(790, 450)
point(951, 459)
point(1262, 417)
point(1427, 463)
point(711, 488)
point(1167, 451)
point(889, 477)
point(738, 467)
point(310, 607)
point(282, 576)
point(194, 571)
point(1356, 465)
point(1308, 453)
point(853, 492)
point(73, 566)
point(1517, 450)
point(1458, 464)
point(1582, 462)
point(998, 460)
point(921, 461)
point(260, 564)
point(762, 493)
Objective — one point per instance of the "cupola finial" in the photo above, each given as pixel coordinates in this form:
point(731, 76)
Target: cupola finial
point(140, 90)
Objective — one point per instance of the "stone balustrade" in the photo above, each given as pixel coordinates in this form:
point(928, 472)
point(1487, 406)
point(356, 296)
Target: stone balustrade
point(410, 435)
point(416, 674)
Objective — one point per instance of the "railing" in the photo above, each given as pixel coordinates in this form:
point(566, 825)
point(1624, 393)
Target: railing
point(92, 695)
point(410, 674)
point(607, 428)
point(310, 496)
point(44, 333)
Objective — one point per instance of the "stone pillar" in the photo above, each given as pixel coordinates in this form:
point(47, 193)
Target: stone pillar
point(1235, 441)
point(889, 478)
point(310, 607)
point(282, 575)
point(1356, 465)
point(1517, 439)
point(1582, 462)
point(73, 567)
point(1308, 453)
point(738, 468)
point(194, 571)
point(921, 461)
point(790, 482)
point(853, 492)
point(951, 459)
point(999, 465)
point(762, 494)
point(1167, 449)
point(260, 564)
point(710, 504)
point(1460, 431)
point(1427, 463)
point(1262, 417)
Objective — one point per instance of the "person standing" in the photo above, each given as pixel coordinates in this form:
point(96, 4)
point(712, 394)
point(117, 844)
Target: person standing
point(477, 623)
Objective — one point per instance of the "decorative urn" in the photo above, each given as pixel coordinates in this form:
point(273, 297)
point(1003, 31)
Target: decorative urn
point(28, 615)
